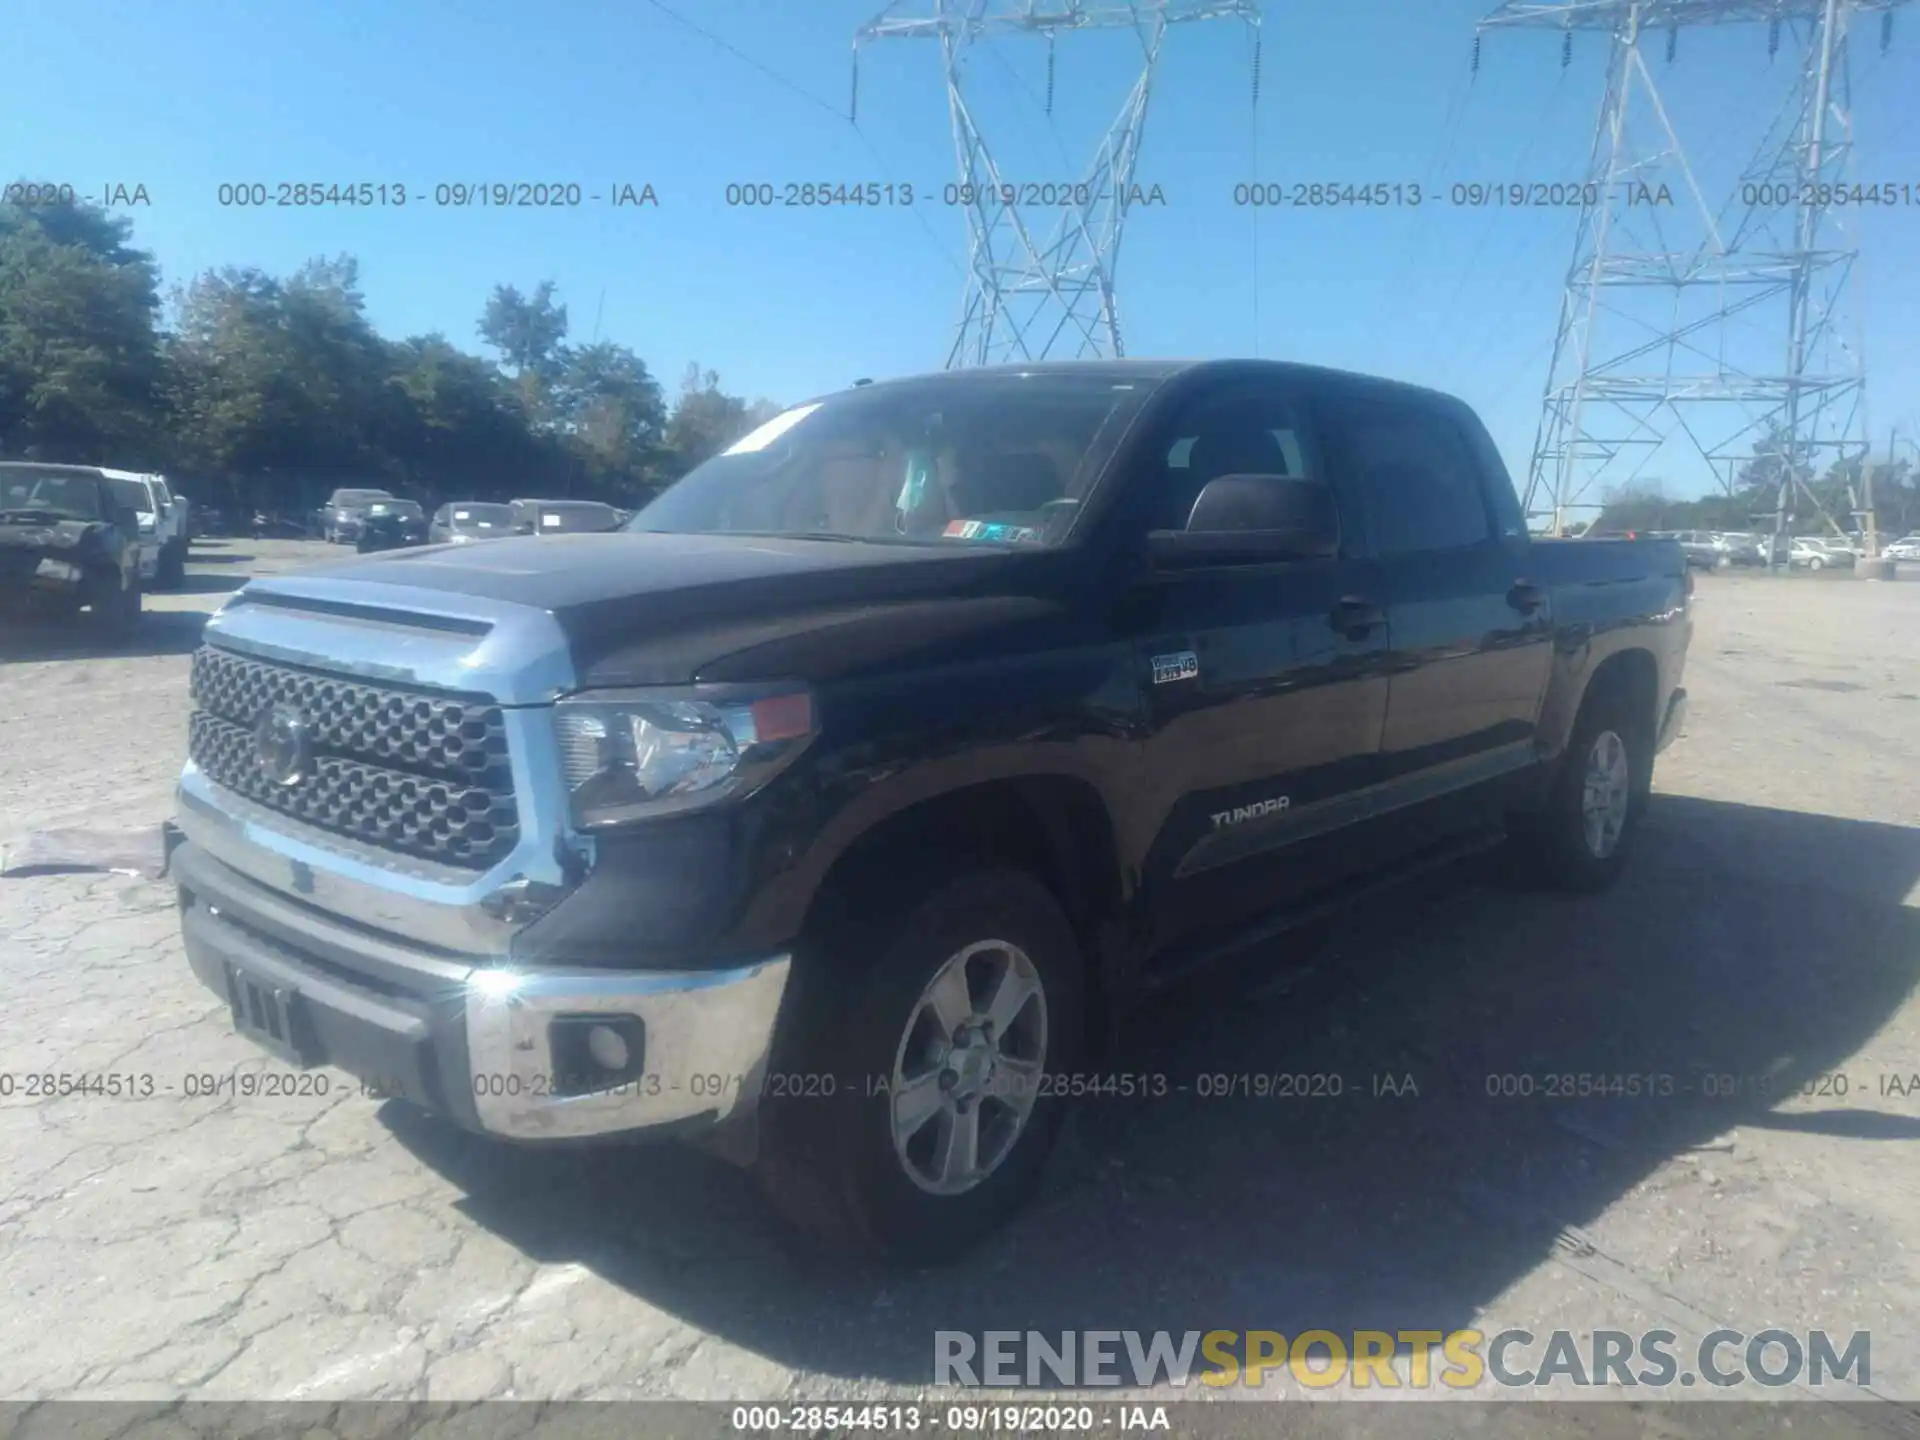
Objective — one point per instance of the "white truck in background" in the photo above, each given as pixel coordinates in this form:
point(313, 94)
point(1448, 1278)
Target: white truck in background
point(163, 528)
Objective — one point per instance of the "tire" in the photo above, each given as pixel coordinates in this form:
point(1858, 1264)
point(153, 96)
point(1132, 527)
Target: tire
point(171, 573)
point(112, 609)
point(1607, 737)
point(830, 1164)
point(1816, 564)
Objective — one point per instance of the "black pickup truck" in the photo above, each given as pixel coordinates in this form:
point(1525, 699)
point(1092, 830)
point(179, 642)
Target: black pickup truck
point(70, 546)
point(834, 811)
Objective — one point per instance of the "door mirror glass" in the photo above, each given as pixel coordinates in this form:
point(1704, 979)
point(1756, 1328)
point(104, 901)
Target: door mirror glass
point(1251, 519)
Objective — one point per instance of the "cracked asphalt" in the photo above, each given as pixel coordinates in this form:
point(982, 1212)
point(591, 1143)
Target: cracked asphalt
point(1762, 950)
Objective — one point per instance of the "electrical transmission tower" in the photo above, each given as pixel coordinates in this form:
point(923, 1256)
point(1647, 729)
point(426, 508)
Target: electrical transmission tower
point(1717, 326)
point(1040, 278)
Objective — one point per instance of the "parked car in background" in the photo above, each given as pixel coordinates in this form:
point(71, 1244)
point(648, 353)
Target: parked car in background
point(344, 512)
point(1704, 549)
point(565, 517)
point(1907, 547)
point(465, 521)
point(1837, 551)
point(1806, 554)
point(70, 545)
point(391, 525)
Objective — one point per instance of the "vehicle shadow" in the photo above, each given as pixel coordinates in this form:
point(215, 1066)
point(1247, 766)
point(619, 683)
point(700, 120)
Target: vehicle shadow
point(161, 632)
point(1742, 942)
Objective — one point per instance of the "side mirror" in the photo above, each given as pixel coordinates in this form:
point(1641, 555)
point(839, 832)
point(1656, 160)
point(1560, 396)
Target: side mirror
point(1251, 520)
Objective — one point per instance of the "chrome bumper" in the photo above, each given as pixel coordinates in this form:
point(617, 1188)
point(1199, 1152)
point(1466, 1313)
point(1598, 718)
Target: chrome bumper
point(474, 1039)
point(1676, 717)
point(707, 1037)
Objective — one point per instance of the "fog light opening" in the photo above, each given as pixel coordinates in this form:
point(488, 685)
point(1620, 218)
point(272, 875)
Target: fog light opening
point(595, 1052)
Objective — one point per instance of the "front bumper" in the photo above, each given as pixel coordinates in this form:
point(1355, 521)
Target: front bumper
point(496, 1050)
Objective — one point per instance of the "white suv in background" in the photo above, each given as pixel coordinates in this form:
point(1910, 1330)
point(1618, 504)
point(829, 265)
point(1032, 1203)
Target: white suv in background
point(163, 527)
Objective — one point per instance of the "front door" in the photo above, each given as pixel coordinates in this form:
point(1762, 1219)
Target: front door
point(1265, 688)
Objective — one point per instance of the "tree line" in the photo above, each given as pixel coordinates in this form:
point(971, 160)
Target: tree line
point(1839, 492)
point(265, 392)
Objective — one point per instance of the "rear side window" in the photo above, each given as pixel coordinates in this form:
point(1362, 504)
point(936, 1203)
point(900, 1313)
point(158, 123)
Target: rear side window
point(1414, 472)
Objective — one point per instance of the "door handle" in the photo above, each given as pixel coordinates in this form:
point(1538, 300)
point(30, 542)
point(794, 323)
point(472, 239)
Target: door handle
point(1354, 617)
point(1526, 597)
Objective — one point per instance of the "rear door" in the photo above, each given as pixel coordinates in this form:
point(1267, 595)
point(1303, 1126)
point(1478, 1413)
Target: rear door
point(1265, 698)
point(1471, 632)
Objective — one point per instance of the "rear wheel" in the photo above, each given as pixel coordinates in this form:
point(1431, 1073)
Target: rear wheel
point(1586, 828)
point(912, 1110)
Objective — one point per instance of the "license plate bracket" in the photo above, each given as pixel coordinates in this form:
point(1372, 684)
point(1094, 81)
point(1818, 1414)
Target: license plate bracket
point(267, 1014)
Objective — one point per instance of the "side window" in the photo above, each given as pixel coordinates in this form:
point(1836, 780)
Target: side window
point(1242, 433)
point(1417, 477)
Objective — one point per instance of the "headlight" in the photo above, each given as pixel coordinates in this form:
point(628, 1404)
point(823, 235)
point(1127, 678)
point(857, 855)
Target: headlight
point(634, 754)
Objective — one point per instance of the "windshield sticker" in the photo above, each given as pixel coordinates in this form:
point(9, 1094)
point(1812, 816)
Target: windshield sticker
point(770, 432)
point(549, 520)
point(990, 530)
point(463, 514)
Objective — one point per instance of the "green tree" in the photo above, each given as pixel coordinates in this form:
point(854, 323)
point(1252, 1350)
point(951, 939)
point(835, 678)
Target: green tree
point(529, 332)
point(706, 420)
point(80, 359)
point(613, 415)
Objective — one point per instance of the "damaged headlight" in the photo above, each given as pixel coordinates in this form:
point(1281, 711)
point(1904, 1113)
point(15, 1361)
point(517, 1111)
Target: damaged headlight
point(635, 754)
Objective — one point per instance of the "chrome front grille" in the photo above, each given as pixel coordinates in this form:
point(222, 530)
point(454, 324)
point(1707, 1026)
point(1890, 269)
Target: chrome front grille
point(422, 772)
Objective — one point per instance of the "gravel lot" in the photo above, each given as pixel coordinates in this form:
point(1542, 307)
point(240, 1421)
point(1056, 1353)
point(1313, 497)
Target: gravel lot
point(332, 1247)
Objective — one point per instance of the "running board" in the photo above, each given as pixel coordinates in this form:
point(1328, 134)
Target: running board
point(1179, 966)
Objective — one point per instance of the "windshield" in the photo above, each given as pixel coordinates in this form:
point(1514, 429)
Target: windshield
point(478, 517)
point(49, 493)
point(1002, 459)
point(344, 498)
point(400, 509)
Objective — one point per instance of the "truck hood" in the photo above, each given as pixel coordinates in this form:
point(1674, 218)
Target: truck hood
point(60, 537)
point(637, 608)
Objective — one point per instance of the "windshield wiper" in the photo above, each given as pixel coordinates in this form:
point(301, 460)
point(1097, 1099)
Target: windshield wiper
point(37, 516)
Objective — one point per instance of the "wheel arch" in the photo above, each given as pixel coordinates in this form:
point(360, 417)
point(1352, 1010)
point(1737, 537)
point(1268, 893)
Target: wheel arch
point(1056, 827)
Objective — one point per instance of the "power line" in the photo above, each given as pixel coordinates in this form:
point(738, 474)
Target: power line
point(784, 83)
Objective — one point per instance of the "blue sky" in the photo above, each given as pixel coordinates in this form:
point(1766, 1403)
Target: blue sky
point(185, 96)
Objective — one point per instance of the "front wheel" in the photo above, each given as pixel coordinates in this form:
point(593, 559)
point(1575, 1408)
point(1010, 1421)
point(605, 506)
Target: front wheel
point(916, 1092)
point(1816, 564)
point(112, 605)
point(171, 572)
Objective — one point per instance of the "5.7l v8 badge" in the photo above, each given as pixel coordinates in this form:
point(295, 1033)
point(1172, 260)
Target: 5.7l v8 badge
point(1181, 665)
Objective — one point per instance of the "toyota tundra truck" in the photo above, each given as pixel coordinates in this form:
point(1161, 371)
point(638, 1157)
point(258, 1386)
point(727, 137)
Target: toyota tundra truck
point(833, 812)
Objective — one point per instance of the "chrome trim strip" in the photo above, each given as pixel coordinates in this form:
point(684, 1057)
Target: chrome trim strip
point(708, 1035)
point(434, 905)
point(522, 657)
